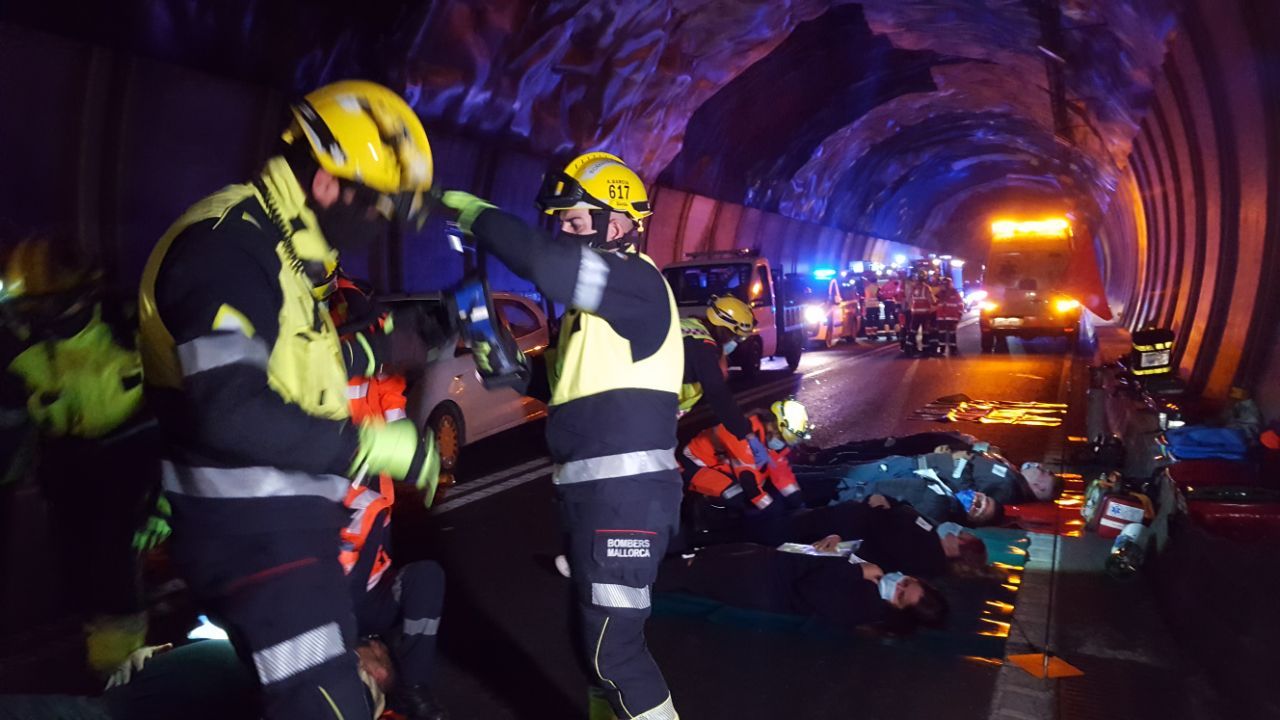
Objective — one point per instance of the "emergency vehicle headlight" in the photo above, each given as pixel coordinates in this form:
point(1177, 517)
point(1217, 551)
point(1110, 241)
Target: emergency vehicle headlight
point(1066, 305)
point(988, 306)
point(814, 314)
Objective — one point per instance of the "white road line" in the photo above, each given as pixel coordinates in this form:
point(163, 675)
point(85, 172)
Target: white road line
point(496, 482)
point(454, 503)
point(480, 483)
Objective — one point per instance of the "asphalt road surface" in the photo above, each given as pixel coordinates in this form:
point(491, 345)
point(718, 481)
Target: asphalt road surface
point(505, 636)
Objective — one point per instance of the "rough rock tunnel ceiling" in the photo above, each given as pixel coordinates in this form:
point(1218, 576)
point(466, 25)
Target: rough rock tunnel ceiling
point(880, 117)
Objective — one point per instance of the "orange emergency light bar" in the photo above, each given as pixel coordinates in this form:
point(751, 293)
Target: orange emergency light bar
point(1051, 227)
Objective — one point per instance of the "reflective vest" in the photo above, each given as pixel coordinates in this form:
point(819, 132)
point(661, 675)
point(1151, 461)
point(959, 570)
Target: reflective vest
point(871, 295)
point(921, 298)
point(596, 374)
point(305, 364)
point(367, 507)
point(950, 305)
point(377, 399)
point(691, 392)
point(83, 386)
point(592, 358)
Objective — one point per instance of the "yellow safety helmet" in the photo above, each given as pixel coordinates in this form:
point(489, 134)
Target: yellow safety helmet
point(731, 313)
point(367, 134)
point(793, 421)
point(595, 181)
point(34, 269)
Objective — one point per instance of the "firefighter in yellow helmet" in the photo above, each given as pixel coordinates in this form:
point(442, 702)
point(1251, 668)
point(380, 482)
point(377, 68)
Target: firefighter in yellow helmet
point(246, 375)
point(73, 383)
point(612, 418)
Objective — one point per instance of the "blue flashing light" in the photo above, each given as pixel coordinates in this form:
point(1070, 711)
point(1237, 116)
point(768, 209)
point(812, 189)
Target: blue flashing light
point(823, 274)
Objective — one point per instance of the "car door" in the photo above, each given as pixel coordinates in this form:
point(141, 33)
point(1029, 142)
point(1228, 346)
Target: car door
point(762, 303)
point(528, 325)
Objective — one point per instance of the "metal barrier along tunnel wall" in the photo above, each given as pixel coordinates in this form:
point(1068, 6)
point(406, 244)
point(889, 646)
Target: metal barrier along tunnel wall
point(1192, 240)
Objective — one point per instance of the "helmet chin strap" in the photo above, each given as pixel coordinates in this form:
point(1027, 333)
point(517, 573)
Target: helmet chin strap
point(599, 237)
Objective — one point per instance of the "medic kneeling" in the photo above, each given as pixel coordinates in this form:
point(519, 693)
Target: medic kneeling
point(746, 474)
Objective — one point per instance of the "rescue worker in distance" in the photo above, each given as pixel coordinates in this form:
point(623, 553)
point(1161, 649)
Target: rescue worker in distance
point(611, 428)
point(707, 342)
point(246, 376)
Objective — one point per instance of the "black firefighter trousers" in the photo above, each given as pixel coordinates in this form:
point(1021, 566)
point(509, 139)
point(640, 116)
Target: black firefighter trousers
point(618, 530)
point(284, 601)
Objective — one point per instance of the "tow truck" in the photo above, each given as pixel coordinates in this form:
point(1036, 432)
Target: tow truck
point(747, 275)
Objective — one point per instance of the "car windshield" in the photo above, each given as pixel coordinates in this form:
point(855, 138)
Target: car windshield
point(806, 289)
point(696, 284)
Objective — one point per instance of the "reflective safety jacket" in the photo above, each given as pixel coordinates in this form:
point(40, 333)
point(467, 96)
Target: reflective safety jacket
point(693, 334)
point(243, 364)
point(950, 305)
point(616, 397)
point(84, 386)
point(704, 378)
point(725, 458)
point(891, 290)
point(920, 298)
point(871, 295)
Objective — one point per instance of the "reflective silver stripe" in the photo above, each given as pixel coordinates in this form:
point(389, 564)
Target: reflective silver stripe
point(665, 711)
point(921, 463)
point(593, 276)
point(762, 502)
point(250, 482)
point(290, 657)
point(790, 490)
point(959, 468)
point(394, 414)
point(355, 392)
point(619, 596)
point(423, 626)
point(688, 452)
point(612, 466)
point(219, 349)
point(732, 491)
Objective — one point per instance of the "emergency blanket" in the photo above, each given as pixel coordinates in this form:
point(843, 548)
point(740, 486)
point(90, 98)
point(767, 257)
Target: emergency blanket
point(1198, 443)
point(961, 408)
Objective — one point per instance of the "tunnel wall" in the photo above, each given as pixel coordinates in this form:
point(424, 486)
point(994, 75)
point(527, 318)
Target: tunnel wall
point(686, 222)
point(111, 148)
point(1192, 240)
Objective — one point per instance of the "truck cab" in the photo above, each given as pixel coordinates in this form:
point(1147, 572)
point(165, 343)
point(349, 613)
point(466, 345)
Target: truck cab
point(1026, 271)
point(748, 276)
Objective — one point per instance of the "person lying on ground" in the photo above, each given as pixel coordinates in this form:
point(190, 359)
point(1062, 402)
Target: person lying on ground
point(901, 479)
point(757, 577)
point(891, 534)
point(859, 451)
point(960, 460)
point(199, 681)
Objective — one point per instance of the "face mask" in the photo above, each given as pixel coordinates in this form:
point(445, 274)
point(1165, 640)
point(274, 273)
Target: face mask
point(348, 227)
point(966, 499)
point(888, 585)
point(776, 444)
point(730, 346)
point(949, 529)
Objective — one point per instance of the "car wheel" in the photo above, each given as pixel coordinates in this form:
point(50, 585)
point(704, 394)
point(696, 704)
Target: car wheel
point(751, 356)
point(988, 342)
point(446, 423)
point(795, 348)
